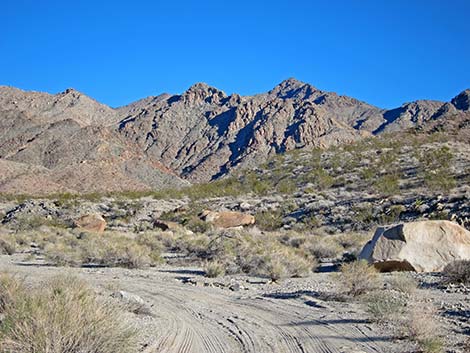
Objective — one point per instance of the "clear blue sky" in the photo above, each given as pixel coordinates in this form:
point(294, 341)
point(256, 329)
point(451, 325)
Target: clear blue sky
point(384, 52)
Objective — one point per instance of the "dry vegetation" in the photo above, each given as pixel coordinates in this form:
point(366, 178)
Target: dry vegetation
point(275, 255)
point(62, 315)
point(395, 306)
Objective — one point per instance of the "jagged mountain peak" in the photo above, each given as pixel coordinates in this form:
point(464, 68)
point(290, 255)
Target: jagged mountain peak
point(202, 92)
point(293, 88)
point(462, 100)
point(200, 134)
point(291, 82)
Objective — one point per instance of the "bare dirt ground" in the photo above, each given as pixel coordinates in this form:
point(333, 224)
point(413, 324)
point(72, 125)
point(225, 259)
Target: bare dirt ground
point(189, 313)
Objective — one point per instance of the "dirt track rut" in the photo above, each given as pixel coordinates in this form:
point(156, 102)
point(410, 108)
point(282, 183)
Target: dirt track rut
point(199, 319)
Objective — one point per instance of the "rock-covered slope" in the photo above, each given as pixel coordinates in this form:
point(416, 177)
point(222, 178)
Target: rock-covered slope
point(67, 143)
point(204, 134)
point(70, 142)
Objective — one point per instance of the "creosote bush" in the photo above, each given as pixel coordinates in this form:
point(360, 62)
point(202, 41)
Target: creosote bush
point(385, 306)
point(214, 269)
point(457, 272)
point(62, 315)
point(403, 282)
point(359, 278)
point(258, 254)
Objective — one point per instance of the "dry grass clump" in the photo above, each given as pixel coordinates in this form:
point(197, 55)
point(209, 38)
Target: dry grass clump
point(424, 330)
point(403, 282)
point(398, 307)
point(457, 272)
point(7, 245)
point(258, 254)
point(385, 306)
point(352, 243)
point(358, 278)
point(214, 269)
point(110, 249)
point(323, 247)
point(62, 315)
point(415, 320)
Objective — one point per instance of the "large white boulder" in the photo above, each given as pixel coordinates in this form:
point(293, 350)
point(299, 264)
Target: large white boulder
point(425, 246)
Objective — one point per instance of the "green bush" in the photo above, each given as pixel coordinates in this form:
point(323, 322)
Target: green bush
point(387, 184)
point(269, 220)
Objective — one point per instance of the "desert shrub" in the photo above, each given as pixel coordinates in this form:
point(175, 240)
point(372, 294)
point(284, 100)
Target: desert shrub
point(269, 220)
point(387, 184)
point(432, 345)
point(323, 247)
point(286, 186)
point(61, 254)
point(363, 215)
point(197, 225)
point(292, 239)
point(403, 282)
point(392, 214)
point(110, 249)
point(153, 243)
point(310, 221)
point(368, 173)
point(7, 245)
point(63, 316)
point(195, 245)
point(25, 223)
point(457, 272)
point(435, 168)
point(321, 178)
point(439, 180)
point(214, 269)
point(384, 306)
point(352, 242)
point(358, 278)
point(273, 260)
point(423, 328)
point(10, 289)
point(259, 255)
point(120, 253)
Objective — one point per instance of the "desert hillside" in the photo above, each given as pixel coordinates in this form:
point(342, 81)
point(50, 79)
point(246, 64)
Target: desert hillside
point(68, 142)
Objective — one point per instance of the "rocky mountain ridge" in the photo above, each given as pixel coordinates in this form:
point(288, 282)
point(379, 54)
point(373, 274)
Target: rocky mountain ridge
point(70, 142)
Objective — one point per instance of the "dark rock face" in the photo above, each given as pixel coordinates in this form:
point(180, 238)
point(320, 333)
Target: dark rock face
point(200, 135)
point(462, 101)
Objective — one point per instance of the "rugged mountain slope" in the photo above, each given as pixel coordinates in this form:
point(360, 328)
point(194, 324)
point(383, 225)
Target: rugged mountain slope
point(204, 134)
point(199, 135)
point(67, 142)
point(70, 104)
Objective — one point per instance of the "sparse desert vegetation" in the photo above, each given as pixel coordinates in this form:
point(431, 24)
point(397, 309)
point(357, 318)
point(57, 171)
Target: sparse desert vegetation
point(61, 315)
point(313, 211)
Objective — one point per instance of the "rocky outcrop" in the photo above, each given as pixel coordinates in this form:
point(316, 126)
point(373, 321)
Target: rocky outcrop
point(227, 219)
point(424, 246)
point(92, 223)
point(462, 101)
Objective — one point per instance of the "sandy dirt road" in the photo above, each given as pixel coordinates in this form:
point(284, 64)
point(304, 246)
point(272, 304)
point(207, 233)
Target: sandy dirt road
point(207, 319)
